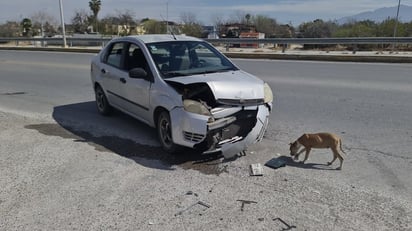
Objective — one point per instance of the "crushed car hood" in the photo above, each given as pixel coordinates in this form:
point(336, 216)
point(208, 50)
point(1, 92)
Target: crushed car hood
point(237, 85)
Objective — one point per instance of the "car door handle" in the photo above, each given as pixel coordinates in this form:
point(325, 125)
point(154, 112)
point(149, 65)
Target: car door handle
point(123, 80)
point(103, 71)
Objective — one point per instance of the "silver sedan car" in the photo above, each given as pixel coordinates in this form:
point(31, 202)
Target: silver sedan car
point(185, 88)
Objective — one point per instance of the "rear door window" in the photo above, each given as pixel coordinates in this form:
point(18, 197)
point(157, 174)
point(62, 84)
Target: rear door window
point(114, 55)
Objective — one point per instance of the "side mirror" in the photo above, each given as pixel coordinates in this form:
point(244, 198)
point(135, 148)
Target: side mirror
point(138, 73)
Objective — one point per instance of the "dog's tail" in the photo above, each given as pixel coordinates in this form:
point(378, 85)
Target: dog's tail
point(340, 145)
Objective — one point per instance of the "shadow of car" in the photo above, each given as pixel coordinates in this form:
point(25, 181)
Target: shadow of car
point(124, 136)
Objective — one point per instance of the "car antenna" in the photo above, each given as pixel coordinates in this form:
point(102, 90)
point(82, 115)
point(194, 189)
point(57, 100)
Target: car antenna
point(173, 34)
point(167, 27)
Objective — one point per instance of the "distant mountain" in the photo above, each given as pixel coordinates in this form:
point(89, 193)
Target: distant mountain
point(381, 14)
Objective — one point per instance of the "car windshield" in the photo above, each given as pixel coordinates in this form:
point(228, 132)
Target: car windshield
point(183, 58)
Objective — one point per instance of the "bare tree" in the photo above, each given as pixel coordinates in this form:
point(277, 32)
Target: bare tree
point(44, 23)
point(80, 21)
point(238, 17)
point(188, 18)
point(191, 26)
point(10, 29)
point(109, 24)
point(123, 22)
point(126, 17)
point(219, 22)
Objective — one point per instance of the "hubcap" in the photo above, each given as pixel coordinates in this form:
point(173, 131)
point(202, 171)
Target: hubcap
point(100, 100)
point(165, 131)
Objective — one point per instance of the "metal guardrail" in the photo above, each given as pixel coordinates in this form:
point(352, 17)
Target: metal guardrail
point(357, 40)
point(71, 41)
point(92, 46)
point(354, 41)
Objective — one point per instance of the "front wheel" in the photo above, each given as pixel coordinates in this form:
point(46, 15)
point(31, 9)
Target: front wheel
point(102, 104)
point(164, 131)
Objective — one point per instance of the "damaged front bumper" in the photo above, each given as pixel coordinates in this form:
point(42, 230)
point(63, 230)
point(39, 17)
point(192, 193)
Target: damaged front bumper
point(231, 129)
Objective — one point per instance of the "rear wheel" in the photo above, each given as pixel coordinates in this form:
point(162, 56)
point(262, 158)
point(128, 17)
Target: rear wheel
point(102, 104)
point(164, 131)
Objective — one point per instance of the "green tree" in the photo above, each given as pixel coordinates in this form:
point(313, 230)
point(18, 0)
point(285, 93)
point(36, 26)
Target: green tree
point(317, 29)
point(191, 26)
point(26, 24)
point(95, 6)
point(386, 29)
point(264, 24)
point(284, 31)
point(408, 29)
point(366, 28)
point(154, 27)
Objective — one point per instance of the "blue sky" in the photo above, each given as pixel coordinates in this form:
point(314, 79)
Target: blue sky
point(285, 11)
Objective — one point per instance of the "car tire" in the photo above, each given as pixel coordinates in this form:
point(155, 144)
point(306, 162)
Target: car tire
point(164, 132)
point(102, 104)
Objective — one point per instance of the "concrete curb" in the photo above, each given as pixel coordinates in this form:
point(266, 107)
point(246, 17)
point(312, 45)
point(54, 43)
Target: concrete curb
point(55, 49)
point(314, 57)
point(263, 55)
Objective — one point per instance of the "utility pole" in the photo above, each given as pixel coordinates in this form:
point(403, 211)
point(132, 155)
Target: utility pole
point(62, 20)
point(396, 25)
point(167, 17)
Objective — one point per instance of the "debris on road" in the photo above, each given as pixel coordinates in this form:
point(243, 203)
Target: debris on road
point(256, 170)
point(192, 193)
point(245, 202)
point(276, 162)
point(289, 227)
point(204, 207)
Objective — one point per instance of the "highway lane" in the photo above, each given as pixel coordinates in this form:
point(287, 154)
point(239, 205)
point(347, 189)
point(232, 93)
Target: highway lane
point(368, 101)
point(368, 104)
point(47, 79)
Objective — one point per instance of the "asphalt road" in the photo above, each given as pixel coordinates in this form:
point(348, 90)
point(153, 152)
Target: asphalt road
point(52, 142)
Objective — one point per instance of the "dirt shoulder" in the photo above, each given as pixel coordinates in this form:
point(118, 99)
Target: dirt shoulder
point(54, 177)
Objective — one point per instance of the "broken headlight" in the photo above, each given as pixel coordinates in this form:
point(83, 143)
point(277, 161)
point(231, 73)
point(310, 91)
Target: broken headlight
point(268, 93)
point(196, 107)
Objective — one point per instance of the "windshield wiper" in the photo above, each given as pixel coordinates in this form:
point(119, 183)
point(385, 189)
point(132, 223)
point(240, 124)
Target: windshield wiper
point(173, 74)
point(226, 69)
point(215, 71)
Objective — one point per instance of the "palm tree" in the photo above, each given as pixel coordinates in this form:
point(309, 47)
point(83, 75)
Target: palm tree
point(95, 8)
point(247, 17)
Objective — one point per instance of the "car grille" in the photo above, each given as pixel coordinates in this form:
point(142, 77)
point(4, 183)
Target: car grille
point(243, 102)
point(193, 136)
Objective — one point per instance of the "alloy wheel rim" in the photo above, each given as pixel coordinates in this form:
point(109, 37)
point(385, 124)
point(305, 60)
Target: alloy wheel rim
point(100, 100)
point(165, 131)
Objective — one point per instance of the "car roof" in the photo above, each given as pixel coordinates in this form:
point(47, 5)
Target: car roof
point(151, 38)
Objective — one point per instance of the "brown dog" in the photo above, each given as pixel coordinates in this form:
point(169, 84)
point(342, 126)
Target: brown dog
point(318, 140)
